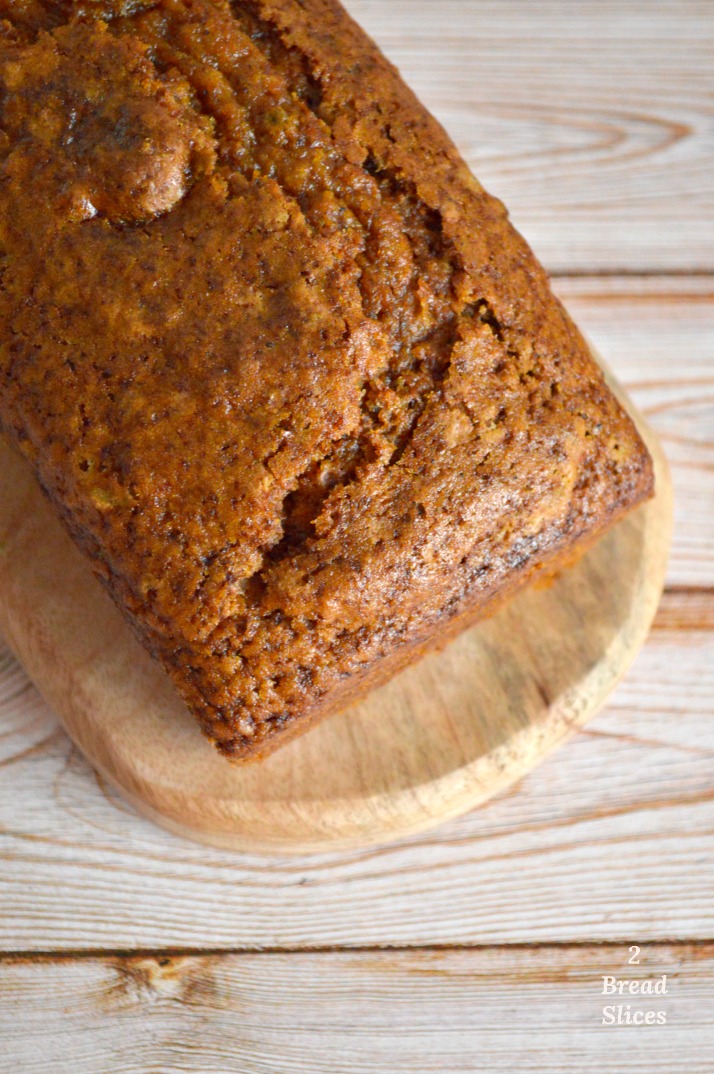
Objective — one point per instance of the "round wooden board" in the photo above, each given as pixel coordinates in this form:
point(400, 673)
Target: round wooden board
point(438, 740)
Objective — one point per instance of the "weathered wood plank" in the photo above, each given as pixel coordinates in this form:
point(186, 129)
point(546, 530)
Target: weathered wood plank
point(610, 839)
point(535, 1010)
point(592, 121)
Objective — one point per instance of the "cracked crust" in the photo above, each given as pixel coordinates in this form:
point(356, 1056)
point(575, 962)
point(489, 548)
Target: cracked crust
point(291, 378)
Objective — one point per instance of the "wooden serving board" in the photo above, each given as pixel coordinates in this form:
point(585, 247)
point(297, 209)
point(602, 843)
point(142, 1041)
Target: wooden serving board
point(438, 740)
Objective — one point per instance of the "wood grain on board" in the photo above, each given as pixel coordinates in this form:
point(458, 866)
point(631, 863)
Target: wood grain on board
point(406, 1012)
point(612, 838)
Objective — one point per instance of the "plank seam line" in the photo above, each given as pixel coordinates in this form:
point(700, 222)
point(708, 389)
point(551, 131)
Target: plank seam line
point(689, 593)
point(100, 953)
point(690, 590)
point(630, 272)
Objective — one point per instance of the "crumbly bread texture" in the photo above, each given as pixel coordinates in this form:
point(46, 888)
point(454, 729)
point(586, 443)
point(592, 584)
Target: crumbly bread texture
point(291, 379)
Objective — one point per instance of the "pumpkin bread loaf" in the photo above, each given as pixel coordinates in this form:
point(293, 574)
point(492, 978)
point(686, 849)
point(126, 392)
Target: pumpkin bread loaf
point(291, 379)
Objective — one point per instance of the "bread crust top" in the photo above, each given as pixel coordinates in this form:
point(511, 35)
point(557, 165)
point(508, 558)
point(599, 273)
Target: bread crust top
point(291, 378)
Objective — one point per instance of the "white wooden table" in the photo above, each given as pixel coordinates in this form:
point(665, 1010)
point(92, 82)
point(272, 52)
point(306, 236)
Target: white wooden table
point(481, 946)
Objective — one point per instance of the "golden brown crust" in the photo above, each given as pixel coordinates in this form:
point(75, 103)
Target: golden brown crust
point(288, 373)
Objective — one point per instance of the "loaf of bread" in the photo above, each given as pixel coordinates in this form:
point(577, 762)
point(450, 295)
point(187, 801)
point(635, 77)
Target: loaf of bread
point(293, 382)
